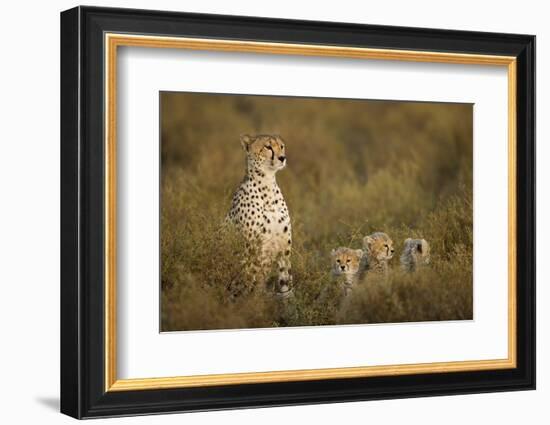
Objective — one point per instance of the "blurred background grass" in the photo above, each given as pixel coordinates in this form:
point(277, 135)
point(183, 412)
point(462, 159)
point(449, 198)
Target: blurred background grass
point(354, 167)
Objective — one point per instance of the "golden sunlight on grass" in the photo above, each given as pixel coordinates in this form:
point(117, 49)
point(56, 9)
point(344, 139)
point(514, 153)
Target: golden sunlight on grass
point(354, 167)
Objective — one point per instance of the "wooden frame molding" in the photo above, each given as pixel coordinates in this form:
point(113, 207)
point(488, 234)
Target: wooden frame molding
point(114, 40)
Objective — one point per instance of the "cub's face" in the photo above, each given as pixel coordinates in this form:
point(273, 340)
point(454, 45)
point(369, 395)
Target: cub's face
point(419, 249)
point(378, 246)
point(266, 152)
point(346, 261)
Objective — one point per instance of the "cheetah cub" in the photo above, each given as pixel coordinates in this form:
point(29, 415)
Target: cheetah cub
point(259, 211)
point(379, 250)
point(416, 253)
point(346, 267)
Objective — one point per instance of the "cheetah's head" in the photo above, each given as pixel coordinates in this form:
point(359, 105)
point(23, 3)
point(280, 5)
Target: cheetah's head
point(378, 246)
point(264, 152)
point(346, 261)
point(419, 250)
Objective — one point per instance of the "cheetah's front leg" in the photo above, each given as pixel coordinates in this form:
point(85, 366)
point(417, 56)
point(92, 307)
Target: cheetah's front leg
point(284, 275)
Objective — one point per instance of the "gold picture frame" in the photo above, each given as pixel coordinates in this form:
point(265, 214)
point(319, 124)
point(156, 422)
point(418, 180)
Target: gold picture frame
point(114, 41)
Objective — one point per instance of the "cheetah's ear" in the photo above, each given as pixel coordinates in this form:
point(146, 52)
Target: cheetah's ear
point(407, 241)
point(333, 252)
point(367, 242)
point(246, 141)
point(419, 247)
point(359, 253)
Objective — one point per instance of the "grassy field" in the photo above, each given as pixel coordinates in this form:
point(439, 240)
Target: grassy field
point(354, 167)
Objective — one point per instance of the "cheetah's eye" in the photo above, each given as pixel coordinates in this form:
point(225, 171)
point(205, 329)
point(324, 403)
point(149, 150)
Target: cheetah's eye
point(348, 260)
point(268, 148)
point(338, 261)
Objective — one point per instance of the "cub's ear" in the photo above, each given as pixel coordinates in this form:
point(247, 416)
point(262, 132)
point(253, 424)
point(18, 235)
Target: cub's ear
point(359, 253)
point(246, 140)
point(419, 247)
point(333, 252)
point(407, 241)
point(367, 242)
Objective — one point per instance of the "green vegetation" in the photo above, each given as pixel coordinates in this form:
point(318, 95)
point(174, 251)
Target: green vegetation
point(354, 167)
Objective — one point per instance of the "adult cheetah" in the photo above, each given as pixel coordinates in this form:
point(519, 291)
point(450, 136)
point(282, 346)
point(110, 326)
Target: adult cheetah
point(260, 213)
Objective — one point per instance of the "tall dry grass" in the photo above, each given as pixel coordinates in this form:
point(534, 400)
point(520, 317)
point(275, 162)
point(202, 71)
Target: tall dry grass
point(354, 167)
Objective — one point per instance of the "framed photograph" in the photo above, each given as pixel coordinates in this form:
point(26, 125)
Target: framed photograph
point(261, 212)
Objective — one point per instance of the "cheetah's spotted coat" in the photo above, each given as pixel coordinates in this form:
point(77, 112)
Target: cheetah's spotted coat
point(259, 210)
point(379, 251)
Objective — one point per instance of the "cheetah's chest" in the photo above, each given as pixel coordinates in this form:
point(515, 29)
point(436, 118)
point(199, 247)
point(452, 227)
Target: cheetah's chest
point(263, 212)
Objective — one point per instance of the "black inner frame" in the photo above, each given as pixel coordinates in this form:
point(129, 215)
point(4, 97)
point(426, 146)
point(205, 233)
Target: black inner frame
point(82, 212)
